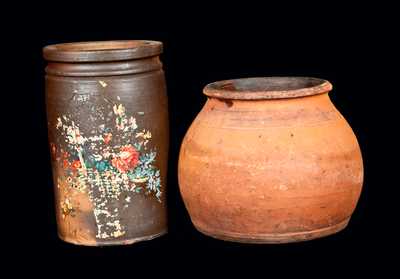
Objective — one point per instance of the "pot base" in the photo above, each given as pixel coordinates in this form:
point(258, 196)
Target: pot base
point(274, 238)
point(114, 242)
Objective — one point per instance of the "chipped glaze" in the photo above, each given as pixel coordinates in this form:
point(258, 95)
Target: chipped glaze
point(107, 165)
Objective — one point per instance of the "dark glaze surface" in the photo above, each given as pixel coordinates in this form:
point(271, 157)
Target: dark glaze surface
point(94, 97)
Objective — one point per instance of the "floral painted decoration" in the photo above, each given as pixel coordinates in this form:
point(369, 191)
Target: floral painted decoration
point(111, 163)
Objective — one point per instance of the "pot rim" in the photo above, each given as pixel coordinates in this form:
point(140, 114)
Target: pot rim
point(102, 51)
point(260, 88)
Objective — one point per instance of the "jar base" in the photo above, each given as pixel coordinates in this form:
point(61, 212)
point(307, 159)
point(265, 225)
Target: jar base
point(114, 242)
point(274, 238)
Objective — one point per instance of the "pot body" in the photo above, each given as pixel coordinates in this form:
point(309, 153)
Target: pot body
point(270, 171)
point(108, 134)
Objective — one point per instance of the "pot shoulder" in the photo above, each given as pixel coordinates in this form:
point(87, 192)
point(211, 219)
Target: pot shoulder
point(271, 130)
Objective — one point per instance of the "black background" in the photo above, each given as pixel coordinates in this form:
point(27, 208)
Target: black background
point(202, 43)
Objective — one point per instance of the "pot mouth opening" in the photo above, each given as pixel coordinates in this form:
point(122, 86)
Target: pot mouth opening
point(98, 51)
point(259, 88)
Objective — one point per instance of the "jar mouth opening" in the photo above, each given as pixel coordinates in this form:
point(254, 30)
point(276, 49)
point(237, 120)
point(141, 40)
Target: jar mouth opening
point(259, 88)
point(98, 51)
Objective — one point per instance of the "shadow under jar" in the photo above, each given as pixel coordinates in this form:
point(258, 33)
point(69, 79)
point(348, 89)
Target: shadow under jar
point(270, 160)
point(108, 132)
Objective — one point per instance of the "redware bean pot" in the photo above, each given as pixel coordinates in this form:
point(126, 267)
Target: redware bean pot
point(270, 160)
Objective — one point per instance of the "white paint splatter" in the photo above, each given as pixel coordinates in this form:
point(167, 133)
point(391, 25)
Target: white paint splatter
point(103, 83)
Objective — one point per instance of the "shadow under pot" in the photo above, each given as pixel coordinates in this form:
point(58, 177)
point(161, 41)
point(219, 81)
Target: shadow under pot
point(108, 133)
point(270, 160)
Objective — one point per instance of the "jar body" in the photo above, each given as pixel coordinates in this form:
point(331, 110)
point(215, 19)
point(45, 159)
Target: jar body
point(270, 171)
point(108, 138)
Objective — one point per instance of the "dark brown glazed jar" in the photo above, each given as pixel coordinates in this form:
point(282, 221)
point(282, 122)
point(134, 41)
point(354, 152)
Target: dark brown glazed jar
point(108, 133)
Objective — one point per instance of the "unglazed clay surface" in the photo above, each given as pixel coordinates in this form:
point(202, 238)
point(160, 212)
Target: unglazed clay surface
point(270, 170)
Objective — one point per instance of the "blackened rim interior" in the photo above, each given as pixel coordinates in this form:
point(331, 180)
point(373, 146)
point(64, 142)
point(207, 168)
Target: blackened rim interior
point(267, 88)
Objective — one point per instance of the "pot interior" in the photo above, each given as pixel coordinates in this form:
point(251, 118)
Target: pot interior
point(271, 84)
point(267, 87)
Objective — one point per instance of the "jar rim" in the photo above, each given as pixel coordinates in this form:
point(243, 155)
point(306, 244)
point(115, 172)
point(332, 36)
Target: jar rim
point(259, 88)
point(99, 51)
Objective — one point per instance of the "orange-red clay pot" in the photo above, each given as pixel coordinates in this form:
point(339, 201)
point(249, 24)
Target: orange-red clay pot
point(270, 160)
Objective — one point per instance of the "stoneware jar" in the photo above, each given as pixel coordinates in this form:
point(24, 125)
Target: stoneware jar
point(270, 160)
point(108, 134)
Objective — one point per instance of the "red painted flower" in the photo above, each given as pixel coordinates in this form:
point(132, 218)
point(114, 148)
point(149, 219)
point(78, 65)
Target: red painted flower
point(76, 164)
point(127, 159)
point(107, 138)
point(66, 164)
